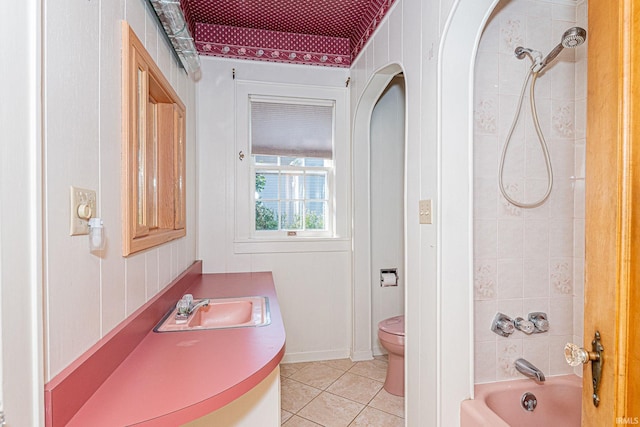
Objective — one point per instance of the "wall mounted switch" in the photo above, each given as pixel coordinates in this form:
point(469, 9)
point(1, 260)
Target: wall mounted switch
point(426, 212)
point(82, 207)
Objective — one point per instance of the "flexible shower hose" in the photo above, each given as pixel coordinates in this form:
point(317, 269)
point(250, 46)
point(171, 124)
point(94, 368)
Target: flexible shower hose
point(541, 140)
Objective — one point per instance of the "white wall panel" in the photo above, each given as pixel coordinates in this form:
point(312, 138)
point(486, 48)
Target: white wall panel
point(135, 13)
point(358, 81)
point(165, 58)
point(165, 268)
point(135, 283)
point(368, 54)
point(152, 286)
point(215, 154)
point(315, 302)
point(82, 133)
point(71, 67)
point(387, 204)
point(313, 287)
point(112, 293)
point(151, 38)
point(381, 45)
point(21, 220)
point(395, 33)
point(191, 239)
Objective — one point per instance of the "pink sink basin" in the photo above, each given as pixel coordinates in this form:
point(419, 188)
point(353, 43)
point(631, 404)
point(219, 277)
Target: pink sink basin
point(240, 312)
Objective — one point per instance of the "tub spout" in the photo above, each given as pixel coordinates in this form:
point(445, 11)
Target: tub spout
point(527, 369)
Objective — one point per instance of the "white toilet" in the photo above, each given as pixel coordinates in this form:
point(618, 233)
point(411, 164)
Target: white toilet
point(391, 335)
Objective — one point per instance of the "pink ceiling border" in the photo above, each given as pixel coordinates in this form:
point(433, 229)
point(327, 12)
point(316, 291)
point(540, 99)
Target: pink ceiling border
point(272, 46)
point(275, 46)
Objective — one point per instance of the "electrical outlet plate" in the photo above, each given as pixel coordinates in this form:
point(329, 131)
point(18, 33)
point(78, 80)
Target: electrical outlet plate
point(425, 212)
point(86, 199)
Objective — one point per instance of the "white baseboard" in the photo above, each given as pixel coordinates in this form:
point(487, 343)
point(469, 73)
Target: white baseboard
point(378, 350)
point(361, 355)
point(314, 356)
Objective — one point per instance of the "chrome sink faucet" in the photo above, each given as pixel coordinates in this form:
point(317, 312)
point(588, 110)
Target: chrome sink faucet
point(195, 307)
point(527, 369)
point(186, 307)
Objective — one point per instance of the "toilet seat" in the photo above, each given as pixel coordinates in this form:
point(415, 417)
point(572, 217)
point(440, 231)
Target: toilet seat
point(393, 325)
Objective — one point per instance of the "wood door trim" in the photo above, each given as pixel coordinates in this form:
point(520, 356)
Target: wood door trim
point(612, 217)
point(628, 371)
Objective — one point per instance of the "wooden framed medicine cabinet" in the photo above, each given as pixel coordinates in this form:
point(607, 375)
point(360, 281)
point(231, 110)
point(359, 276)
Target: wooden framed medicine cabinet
point(153, 152)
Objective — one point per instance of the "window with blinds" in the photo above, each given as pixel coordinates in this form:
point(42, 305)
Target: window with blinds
point(292, 160)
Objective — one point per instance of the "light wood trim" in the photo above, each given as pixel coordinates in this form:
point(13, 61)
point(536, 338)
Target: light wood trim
point(152, 232)
point(129, 38)
point(166, 177)
point(613, 210)
point(629, 329)
point(180, 169)
point(601, 194)
point(149, 203)
point(130, 137)
point(155, 238)
point(601, 203)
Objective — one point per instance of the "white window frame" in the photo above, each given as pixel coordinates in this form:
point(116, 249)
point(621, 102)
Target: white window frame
point(328, 231)
point(247, 239)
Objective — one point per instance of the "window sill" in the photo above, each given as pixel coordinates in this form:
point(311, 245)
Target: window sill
point(295, 244)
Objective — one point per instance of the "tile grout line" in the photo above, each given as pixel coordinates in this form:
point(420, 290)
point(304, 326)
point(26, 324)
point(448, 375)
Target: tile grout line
point(326, 390)
point(319, 394)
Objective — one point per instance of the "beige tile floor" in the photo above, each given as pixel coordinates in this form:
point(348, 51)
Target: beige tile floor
point(338, 393)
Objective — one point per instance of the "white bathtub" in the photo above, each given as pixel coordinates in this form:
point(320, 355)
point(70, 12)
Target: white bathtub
point(498, 404)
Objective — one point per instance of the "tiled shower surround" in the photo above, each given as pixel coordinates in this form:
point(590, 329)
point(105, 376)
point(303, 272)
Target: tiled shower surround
point(528, 259)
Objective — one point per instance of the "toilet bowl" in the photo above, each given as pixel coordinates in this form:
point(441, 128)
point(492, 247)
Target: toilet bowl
point(391, 335)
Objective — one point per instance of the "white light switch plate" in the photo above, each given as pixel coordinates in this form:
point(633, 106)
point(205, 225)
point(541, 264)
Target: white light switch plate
point(425, 212)
point(80, 196)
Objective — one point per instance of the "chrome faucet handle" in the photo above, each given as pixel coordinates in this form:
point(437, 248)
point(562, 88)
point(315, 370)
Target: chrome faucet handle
point(183, 307)
point(188, 298)
point(182, 311)
point(540, 321)
point(525, 326)
point(502, 325)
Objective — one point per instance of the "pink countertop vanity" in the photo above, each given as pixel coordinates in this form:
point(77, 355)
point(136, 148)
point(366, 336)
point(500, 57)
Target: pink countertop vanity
point(169, 378)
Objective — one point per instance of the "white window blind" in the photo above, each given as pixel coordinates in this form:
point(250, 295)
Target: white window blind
point(290, 129)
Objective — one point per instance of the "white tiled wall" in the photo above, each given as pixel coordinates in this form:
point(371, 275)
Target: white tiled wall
point(528, 259)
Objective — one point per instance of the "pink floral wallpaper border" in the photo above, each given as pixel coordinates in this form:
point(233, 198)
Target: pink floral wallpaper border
point(274, 46)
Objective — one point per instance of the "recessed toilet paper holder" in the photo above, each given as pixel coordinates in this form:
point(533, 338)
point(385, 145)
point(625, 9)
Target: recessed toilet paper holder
point(388, 277)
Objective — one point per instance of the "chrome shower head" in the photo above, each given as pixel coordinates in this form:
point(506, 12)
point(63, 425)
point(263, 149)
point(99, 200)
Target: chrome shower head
point(571, 38)
point(574, 37)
